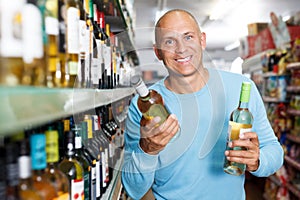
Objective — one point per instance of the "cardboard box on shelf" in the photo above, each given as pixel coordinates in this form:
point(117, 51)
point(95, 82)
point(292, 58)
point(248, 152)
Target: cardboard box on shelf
point(252, 45)
point(256, 28)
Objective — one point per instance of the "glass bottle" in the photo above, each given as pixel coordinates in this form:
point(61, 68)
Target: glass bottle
point(72, 168)
point(92, 159)
point(72, 41)
point(26, 189)
point(52, 31)
point(57, 178)
point(64, 82)
point(38, 163)
point(12, 172)
point(2, 172)
point(11, 46)
point(82, 160)
point(150, 102)
point(240, 122)
point(33, 49)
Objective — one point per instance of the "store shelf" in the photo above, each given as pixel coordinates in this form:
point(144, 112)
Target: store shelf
point(272, 74)
point(292, 162)
point(293, 138)
point(275, 180)
point(293, 112)
point(295, 65)
point(23, 107)
point(293, 88)
point(253, 63)
point(272, 100)
point(115, 187)
point(293, 189)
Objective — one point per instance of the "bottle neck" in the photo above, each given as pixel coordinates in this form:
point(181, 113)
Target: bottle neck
point(243, 105)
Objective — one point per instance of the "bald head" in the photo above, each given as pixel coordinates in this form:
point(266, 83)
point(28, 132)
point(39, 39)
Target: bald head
point(161, 23)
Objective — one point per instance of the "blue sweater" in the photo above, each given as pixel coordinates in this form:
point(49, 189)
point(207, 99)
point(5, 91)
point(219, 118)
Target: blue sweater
point(191, 167)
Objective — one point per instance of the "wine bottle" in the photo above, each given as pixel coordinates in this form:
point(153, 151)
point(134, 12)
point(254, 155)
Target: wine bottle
point(82, 160)
point(52, 31)
point(12, 172)
point(64, 82)
point(91, 159)
point(83, 44)
point(11, 46)
point(57, 178)
point(72, 168)
point(240, 122)
point(2, 170)
point(72, 41)
point(150, 102)
point(38, 163)
point(33, 52)
point(26, 189)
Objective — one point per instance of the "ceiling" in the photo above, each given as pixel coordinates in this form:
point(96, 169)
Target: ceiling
point(230, 25)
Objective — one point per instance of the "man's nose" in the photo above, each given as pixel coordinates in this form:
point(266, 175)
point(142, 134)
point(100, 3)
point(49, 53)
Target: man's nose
point(180, 46)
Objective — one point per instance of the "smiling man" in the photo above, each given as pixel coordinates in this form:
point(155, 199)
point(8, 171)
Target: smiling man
point(200, 100)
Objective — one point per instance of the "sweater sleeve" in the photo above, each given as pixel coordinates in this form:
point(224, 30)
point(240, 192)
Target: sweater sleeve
point(271, 152)
point(138, 167)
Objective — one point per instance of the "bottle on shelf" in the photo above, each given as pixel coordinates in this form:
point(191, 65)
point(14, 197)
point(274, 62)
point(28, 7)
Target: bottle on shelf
point(26, 189)
point(11, 45)
point(72, 168)
point(64, 75)
point(33, 46)
point(39, 163)
point(12, 171)
point(57, 178)
point(2, 170)
point(52, 50)
point(240, 122)
point(83, 44)
point(72, 41)
point(82, 160)
point(92, 159)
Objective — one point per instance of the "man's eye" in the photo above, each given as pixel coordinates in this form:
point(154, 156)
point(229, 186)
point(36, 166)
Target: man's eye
point(169, 42)
point(188, 37)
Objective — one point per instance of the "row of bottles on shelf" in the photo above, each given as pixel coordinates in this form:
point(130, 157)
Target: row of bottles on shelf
point(61, 43)
point(72, 158)
point(276, 61)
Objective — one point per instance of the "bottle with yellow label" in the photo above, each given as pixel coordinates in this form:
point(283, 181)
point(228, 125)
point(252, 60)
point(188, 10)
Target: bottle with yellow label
point(240, 122)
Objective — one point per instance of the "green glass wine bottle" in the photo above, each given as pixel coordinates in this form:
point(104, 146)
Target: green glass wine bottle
point(241, 120)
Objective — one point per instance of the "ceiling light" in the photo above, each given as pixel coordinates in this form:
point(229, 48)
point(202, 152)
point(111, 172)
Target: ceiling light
point(232, 46)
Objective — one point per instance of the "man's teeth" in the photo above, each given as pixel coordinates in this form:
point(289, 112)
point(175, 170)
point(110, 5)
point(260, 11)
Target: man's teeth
point(184, 59)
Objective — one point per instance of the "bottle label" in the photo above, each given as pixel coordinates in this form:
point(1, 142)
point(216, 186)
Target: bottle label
point(52, 146)
point(38, 153)
point(77, 189)
point(157, 110)
point(235, 129)
point(73, 30)
point(73, 67)
point(93, 183)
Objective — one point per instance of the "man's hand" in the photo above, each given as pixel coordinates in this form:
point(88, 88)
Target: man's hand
point(250, 156)
point(154, 138)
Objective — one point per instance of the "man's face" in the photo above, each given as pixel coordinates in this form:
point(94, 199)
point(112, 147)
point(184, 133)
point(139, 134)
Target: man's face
point(180, 44)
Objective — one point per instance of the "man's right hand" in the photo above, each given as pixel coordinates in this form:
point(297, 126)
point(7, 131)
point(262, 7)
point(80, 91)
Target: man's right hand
point(154, 138)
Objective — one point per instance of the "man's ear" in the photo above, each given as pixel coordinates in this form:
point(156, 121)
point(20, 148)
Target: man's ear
point(203, 40)
point(157, 52)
